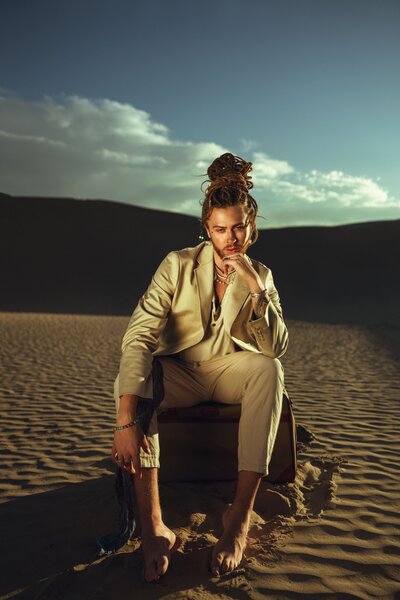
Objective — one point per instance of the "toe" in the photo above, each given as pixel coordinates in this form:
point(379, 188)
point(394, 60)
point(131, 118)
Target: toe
point(215, 571)
point(158, 568)
point(225, 566)
point(216, 564)
point(162, 565)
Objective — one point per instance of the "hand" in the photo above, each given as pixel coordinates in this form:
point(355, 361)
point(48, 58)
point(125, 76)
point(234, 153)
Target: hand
point(245, 270)
point(126, 448)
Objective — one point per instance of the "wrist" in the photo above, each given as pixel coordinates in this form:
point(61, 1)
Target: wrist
point(125, 417)
point(123, 426)
point(128, 405)
point(255, 287)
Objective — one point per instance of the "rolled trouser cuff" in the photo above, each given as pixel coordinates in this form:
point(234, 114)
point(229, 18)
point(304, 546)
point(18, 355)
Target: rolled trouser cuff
point(255, 467)
point(149, 461)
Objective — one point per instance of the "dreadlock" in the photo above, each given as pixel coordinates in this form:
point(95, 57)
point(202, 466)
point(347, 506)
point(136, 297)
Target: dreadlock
point(229, 185)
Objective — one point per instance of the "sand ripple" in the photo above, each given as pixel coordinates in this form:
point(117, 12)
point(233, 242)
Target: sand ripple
point(333, 533)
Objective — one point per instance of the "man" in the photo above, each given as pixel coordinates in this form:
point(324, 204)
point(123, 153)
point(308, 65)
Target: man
point(212, 317)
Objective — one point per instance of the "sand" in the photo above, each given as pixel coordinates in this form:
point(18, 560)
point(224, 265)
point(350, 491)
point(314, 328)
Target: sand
point(333, 533)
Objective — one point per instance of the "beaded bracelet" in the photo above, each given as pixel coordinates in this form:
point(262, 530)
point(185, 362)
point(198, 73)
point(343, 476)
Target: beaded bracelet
point(134, 422)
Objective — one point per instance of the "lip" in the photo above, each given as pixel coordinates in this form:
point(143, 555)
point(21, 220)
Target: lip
point(232, 248)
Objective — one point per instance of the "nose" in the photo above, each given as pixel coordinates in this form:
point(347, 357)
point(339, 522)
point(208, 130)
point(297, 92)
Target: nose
point(231, 237)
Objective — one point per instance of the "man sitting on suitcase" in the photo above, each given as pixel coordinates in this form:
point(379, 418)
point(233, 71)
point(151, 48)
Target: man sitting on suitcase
point(212, 317)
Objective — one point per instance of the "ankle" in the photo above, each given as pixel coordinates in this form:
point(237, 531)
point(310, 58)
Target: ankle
point(152, 526)
point(241, 508)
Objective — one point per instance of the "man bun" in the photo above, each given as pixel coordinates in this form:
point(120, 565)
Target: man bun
point(230, 168)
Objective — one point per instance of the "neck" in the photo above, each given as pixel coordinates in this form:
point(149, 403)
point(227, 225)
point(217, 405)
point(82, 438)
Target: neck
point(221, 264)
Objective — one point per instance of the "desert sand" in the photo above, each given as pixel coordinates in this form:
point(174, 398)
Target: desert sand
point(333, 533)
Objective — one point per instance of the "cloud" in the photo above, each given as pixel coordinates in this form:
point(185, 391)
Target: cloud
point(82, 148)
point(266, 168)
point(330, 198)
point(348, 190)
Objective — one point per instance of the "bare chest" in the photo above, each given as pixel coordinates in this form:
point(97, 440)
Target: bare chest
point(220, 290)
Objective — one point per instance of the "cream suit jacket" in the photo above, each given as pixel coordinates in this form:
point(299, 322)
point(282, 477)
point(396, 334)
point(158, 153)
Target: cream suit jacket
point(173, 313)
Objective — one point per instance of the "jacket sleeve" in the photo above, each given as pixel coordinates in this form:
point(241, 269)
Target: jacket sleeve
point(147, 321)
point(270, 331)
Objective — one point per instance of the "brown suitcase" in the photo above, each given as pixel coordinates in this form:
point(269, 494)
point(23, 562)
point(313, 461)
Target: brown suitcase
point(199, 443)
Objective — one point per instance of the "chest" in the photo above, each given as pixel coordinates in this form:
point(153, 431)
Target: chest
point(220, 290)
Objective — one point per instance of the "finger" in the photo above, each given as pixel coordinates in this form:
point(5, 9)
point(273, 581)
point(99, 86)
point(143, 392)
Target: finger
point(125, 462)
point(128, 466)
point(146, 445)
point(135, 471)
point(121, 460)
point(114, 453)
point(136, 466)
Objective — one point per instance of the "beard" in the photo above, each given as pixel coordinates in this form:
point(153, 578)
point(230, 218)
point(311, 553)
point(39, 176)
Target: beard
point(222, 253)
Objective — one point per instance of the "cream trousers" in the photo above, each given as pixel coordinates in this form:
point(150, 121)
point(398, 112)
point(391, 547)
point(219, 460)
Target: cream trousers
point(253, 380)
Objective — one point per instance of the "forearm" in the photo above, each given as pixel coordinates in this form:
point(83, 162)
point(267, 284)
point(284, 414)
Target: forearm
point(268, 327)
point(127, 408)
point(135, 371)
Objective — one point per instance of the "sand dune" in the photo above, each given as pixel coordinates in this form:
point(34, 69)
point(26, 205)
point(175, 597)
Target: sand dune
point(333, 533)
point(96, 257)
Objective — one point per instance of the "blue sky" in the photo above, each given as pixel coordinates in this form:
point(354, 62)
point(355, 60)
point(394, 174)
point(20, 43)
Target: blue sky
point(131, 101)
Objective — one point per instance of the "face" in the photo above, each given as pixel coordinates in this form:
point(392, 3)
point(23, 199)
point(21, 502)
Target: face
point(229, 230)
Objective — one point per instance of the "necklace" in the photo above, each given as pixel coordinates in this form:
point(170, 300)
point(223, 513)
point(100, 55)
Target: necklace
point(224, 279)
point(219, 268)
point(221, 272)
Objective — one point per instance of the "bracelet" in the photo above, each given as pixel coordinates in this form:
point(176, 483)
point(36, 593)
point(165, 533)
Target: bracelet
point(257, 294)
point(134, 422)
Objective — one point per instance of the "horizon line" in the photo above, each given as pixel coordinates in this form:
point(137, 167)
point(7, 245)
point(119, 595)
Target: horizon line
point(268, 228)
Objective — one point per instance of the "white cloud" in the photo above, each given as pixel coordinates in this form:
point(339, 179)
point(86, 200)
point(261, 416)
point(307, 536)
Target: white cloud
point(30, 138)
point(98, 149)
point(84, 148)
point(266, 168)
point(349, 190)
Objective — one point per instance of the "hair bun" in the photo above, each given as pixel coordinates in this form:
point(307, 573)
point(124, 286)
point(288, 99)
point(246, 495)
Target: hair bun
point(229, 169)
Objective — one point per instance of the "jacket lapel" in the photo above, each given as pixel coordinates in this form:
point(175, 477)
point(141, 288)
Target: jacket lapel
point(205, 284)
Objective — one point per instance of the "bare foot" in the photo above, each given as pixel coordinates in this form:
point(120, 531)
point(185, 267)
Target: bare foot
point(228, 551)
point(157, 545)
